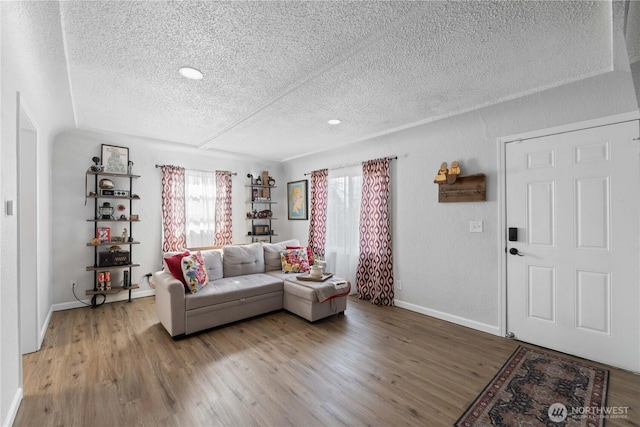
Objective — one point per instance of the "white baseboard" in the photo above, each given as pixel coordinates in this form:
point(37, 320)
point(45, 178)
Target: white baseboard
point(44, 328)
point(122, 296)
point(483, 327)
point(13, 409)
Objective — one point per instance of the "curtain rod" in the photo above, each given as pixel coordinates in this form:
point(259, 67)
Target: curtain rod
point(200, 170)
point(350, 164)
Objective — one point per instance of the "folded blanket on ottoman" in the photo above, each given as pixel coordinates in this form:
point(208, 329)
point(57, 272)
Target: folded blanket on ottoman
point(331, 288)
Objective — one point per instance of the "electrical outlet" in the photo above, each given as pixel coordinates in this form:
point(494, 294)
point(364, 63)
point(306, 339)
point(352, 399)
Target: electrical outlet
point(73, 283)
point(475, 227)
point(399, 285)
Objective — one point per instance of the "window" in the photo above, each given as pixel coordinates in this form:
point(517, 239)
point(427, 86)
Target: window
point(200, 208)
point(343, 217)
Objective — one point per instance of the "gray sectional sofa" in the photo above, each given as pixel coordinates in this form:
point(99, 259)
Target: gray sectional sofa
point(244, 281)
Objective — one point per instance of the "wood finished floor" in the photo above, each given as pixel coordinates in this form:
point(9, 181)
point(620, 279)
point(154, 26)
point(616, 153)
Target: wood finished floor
point(378, 366)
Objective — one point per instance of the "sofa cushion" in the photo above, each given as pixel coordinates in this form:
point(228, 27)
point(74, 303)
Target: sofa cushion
point(272, 251)
point(281, 276)
point(240, 260)
point(194, 272)
point(233, 289)
point(294, 261)
point(213, 260)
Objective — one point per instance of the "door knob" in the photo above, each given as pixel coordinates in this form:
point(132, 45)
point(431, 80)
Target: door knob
point(514, 251)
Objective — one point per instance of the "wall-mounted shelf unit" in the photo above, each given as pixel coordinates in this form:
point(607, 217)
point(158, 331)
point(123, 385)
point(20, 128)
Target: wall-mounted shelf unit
point(261, 213)
point(98, 219)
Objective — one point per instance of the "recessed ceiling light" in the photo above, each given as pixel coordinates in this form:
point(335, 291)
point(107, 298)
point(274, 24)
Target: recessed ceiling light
point(190, 73)
point(334, 122)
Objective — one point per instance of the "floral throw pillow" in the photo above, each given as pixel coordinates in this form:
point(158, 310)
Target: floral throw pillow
point(294, 261)
point(194, 272)
point(309, 253)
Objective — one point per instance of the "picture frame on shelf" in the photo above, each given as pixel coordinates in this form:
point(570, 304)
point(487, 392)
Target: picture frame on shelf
point(297, 200)
point(103, 234)
point(115, 159)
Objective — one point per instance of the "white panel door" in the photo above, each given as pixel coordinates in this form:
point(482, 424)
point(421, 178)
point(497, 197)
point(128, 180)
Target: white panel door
point(573, 281)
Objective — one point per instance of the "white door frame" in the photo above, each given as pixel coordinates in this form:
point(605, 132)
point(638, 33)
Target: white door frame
point(502, 186)
point(30, 339)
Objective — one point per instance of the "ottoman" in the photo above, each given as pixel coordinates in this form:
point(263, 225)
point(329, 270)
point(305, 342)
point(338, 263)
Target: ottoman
point(301, 298)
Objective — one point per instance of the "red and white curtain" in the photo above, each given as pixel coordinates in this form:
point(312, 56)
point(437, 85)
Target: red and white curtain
point(223, 208)
point(173, 211)
point(318, 223)
point(374, 277)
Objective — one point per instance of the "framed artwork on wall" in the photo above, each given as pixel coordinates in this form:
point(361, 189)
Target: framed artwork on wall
point(115, 159)
point(297, 201)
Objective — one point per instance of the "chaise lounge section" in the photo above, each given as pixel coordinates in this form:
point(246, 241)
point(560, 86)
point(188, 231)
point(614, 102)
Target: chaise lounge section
point(243, 281)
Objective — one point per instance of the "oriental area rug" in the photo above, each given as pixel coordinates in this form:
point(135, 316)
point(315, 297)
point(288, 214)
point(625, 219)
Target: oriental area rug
point(538, 388)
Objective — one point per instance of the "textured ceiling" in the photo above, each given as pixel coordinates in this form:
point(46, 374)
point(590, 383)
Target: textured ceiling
point(275, 72)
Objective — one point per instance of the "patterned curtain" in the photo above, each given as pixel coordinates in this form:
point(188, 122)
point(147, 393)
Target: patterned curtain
point(374, 277)
point(173, 214)
point(318, 223)
point(223, 208)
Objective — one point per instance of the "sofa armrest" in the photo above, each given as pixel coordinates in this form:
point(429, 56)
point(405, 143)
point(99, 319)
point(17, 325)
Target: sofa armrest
point(170, 302)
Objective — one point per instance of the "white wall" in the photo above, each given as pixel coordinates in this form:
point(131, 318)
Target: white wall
point(32, 64)
point(72, 153)
point(448, 272)
point(635, 72)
